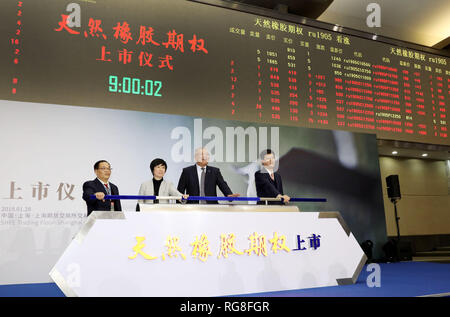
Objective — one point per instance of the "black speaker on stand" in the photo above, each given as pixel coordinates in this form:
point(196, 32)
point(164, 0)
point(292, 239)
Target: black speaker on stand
point(393, 189)
point(396, 250)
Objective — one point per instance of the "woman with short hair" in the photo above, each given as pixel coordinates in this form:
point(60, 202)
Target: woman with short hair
point(158, 186)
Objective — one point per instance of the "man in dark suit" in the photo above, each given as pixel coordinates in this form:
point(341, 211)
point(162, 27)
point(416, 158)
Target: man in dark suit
point(101, 187)
point(268, 181)
point(202, 180)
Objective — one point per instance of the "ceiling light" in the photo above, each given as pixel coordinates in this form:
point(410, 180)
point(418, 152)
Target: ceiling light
point(424, 154)
point(394, 152)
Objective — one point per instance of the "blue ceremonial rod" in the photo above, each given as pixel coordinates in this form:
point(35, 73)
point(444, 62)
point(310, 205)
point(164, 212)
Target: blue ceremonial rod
point(213, 198)
point(223, 198)
point(126, 197)
point(175, 197)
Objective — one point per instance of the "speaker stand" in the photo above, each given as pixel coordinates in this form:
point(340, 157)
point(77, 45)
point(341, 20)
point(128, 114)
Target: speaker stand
point(397, 218)
point(398, 254)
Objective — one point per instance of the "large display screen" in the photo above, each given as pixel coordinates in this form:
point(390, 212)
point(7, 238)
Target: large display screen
point(188, 58)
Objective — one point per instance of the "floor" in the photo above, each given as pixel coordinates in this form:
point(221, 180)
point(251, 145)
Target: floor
point(402, 279)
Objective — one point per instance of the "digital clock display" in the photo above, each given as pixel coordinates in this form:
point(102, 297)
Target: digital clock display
point(135, 86)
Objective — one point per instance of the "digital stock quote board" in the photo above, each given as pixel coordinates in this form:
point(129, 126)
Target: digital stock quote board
point(194, 59)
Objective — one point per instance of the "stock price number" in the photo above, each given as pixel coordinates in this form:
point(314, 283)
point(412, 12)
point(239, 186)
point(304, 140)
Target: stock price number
point(135, 86)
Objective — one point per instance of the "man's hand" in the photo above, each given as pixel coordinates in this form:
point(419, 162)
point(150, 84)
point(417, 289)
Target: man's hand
point(286, 198)
point(184, 198)
point(100, 196)
point(233, 195)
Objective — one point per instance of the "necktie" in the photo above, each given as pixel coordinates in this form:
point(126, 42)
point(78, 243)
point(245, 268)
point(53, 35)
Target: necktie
point(108, 192)
point(202, 185)
point(272, 176)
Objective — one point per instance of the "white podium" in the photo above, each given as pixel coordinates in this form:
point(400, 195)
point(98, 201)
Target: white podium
point(208, 250)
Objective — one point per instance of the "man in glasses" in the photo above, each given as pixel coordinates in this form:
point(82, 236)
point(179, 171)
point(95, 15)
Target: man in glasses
point(101, 187)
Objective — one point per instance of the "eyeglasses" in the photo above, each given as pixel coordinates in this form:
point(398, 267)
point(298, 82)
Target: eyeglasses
point(105, 168)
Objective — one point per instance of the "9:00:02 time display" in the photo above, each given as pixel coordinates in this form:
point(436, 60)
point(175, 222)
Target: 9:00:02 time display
point(133, 86)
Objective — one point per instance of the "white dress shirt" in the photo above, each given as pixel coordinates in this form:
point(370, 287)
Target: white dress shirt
point(108, 190)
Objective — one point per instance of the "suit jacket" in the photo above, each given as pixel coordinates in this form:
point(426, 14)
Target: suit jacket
point(167, 188)
point(188, 183)
point(266, 187)
point(95, 186)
